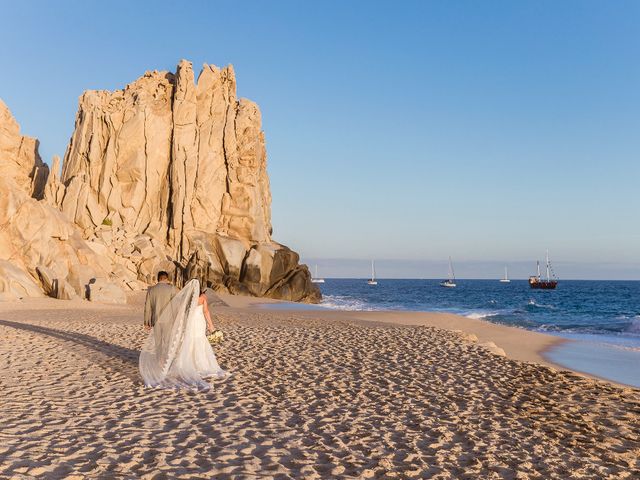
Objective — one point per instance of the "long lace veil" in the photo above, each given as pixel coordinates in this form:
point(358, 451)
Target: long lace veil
point(163, 344)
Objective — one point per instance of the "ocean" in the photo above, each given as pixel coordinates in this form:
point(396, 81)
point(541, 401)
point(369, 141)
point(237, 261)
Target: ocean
point(602, 318)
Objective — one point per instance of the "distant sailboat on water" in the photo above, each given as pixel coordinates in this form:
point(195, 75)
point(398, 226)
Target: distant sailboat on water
point(373, 280)
point(506, 277)
point(315, 278)
point(451, 281)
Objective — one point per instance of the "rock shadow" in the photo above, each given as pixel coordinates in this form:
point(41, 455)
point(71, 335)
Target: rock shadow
point(127, 356)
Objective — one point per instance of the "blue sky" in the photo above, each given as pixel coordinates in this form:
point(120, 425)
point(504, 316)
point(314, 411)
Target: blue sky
point(401, 131)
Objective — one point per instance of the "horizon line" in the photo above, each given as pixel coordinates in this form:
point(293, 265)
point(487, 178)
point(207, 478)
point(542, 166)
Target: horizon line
point(497, 279)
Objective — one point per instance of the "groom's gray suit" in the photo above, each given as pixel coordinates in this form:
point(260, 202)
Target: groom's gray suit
point(158, 297)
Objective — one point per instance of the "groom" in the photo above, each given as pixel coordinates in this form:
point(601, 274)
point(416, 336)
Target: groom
point(158, 297)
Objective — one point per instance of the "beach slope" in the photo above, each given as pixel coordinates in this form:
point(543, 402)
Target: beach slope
point(312, 395)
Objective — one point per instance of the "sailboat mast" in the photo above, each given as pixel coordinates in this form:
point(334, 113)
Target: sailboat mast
point(506, 276)
point(452, 275)
point(538, 265)
point(373, 270)
point(548, 276)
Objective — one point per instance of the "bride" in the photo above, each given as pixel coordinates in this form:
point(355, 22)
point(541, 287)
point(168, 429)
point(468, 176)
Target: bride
point(177, 352)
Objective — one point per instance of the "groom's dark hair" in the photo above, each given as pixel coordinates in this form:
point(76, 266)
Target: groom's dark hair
point(162, 275)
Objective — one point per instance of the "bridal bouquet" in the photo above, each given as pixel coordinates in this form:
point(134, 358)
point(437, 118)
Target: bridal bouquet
point(216, 337)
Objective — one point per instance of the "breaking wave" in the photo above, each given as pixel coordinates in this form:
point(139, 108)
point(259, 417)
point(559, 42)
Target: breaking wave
point(634, 326)
point(344, 302)
point(481, 315)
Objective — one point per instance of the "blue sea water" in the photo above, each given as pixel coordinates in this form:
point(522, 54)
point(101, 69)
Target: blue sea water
point(602, 318)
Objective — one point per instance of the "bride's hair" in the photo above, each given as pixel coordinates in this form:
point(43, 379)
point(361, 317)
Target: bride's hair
point(203, 286)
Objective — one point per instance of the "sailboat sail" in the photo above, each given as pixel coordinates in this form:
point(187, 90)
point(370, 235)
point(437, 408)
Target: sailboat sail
point(506, 276)
point(451, 281)
point(373, 280)
point(315, 278)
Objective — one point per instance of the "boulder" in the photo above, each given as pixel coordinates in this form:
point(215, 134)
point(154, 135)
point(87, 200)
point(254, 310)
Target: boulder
point(15, 283)
point(254, 271)
point(80, 276)
point(231, 252)
point(103, 291)
point(272, 270)
point(296, 287)
point(143, 245)
point(64, 291)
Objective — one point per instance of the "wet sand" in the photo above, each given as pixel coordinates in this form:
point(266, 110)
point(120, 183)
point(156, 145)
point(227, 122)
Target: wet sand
point(312, 395)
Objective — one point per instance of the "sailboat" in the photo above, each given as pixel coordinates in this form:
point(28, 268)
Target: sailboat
point(373, 280)
point(506, 277)
point(451, 281)
point(315, 278)
point(536, 281)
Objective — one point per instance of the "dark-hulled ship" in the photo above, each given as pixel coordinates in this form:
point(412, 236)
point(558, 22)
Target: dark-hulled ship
point(536, 281)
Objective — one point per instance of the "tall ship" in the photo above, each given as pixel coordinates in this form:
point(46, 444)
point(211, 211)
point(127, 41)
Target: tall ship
point(536, 281)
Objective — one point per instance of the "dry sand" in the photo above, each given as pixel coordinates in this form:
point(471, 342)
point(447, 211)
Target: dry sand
point(312, 395)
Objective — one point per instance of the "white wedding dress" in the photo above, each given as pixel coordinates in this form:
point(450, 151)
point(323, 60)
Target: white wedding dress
point(177, 353)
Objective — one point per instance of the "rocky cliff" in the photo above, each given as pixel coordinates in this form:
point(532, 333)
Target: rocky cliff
point(41, 251)
point(170, 173)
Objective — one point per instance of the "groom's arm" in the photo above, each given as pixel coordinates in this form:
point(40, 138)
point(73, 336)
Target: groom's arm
point(147, 310)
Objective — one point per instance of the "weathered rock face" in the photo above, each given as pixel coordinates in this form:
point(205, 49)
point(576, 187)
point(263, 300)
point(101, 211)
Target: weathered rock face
point(41, 252)
point(19, 157)
point(166, 156)
point(169, 173)
point(117, 161)
point(16, 283)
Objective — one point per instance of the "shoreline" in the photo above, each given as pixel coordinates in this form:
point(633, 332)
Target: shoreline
point(518, 343)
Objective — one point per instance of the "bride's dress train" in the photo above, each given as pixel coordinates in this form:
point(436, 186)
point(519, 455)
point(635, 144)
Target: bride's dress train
point(177, 352)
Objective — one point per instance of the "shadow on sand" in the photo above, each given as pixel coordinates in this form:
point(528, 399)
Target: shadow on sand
point(108, 352)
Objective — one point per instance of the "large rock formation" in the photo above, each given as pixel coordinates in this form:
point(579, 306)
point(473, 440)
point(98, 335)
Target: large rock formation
point(170, 173)
point(41, 251)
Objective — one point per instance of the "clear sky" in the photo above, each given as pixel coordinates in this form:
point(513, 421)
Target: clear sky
point(401, 131)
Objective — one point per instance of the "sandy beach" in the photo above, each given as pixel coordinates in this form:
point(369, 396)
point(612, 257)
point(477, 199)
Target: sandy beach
point(313, 394)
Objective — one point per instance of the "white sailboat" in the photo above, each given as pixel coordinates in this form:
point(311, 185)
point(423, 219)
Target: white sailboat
point(451, 281)
point(373, 280)
point(315, 278)
point(506, 277)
